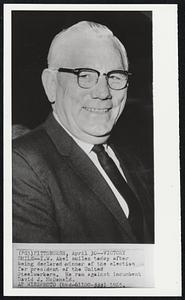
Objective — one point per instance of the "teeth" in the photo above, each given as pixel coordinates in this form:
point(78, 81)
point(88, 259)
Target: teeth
point(96, 109)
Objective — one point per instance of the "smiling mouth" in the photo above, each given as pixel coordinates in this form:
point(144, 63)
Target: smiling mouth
point(96, 110)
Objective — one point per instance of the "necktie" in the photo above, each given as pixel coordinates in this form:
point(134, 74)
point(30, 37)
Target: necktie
point(135, 212)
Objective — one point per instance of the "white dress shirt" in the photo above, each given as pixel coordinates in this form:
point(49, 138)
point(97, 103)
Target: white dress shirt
point(87, 148)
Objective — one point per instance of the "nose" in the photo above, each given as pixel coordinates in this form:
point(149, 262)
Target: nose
point(101, 89)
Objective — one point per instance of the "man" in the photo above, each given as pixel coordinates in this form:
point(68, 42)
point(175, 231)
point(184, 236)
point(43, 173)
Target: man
point(69, 184)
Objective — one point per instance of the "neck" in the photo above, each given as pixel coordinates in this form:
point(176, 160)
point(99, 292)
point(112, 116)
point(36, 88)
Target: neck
point(94, 140)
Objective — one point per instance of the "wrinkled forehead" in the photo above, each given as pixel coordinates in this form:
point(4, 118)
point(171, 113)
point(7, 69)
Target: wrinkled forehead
point(65, 51)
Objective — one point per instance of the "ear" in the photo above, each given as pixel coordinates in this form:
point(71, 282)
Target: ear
point(49, 82)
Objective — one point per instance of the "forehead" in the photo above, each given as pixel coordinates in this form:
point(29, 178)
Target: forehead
point(92, 52)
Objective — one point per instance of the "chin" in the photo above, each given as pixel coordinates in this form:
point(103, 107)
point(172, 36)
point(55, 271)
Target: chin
point(99, 132)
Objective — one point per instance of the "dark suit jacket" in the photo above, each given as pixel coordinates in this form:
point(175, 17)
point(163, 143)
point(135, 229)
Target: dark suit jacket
point(59, 196)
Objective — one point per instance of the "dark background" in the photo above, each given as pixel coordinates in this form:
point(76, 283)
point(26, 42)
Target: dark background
point(32, 33)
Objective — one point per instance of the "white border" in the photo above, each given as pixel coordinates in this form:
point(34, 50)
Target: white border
point(167, 249)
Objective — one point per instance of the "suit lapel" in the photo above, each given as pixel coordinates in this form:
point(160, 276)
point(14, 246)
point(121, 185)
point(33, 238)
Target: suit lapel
point(131, 175)
point(86, 169)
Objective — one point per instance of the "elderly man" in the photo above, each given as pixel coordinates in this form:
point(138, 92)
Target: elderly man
point(69, 184)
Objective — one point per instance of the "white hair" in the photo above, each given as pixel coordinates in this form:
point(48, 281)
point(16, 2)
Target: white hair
point(84, 28)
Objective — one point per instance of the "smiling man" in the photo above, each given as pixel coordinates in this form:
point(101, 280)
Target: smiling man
point(69, 184)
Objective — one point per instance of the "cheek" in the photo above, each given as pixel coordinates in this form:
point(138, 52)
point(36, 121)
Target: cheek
point(68, 97)
point(72, 106)
point(63, 104)
point(119, 97)
point(119, 103)
point(77, 98)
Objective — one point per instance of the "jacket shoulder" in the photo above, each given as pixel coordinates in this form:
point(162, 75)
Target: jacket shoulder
point(31, 142)
point(35, 148)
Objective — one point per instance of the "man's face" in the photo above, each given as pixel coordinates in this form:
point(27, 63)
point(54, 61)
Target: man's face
point(90, 114)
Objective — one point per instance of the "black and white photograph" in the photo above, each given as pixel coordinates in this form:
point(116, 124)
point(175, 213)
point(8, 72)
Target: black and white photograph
point(73, 182)
point(83, 142)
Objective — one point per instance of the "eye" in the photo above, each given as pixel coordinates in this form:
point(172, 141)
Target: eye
point(88, 76)
point(116, 76)
point(85, 74)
